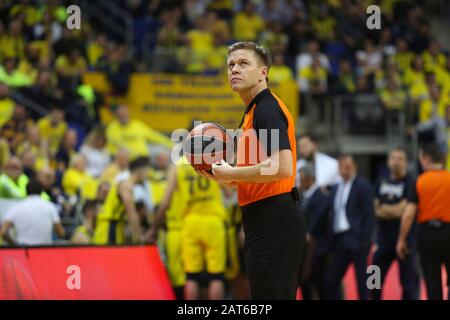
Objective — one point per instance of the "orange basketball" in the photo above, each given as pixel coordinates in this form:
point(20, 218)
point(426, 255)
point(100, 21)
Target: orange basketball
point(206, 144)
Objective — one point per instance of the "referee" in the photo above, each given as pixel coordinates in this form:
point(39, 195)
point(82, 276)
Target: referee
point(274, 228)
point(431, 198)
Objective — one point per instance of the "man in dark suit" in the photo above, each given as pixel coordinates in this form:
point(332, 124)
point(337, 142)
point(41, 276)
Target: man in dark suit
point(352, 222)
point(315, 208)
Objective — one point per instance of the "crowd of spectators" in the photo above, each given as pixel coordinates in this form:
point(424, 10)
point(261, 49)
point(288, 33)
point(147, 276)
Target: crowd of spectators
point(324, 46)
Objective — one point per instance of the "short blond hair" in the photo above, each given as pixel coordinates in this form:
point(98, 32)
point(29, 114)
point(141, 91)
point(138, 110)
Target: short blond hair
point(261, 52)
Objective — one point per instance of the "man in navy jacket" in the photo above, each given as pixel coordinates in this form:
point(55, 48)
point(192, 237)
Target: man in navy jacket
point(352, 222)
point(315, 208)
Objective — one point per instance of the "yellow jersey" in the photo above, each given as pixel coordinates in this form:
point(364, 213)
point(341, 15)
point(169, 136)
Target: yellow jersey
point(75, 181)
point(203, 196)
point(247, 28)
point(52, 134)
point(134, 137)
point(113, 208)
point(84, 231)
point(178, 204)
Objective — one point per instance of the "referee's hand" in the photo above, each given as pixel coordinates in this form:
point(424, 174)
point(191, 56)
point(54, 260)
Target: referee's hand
point(402, 249)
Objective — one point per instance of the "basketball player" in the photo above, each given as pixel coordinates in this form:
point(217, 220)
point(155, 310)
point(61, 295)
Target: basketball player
point(274, 228)
point(119, 207)
point(171, 215)
point(203, 234)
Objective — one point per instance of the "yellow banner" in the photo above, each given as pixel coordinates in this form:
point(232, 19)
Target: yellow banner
point(166, 102)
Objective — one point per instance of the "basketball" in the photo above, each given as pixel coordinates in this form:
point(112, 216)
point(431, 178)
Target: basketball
point(207, 143)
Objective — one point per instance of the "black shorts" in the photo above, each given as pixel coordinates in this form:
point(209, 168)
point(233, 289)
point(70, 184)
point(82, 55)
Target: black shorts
point(274, 244)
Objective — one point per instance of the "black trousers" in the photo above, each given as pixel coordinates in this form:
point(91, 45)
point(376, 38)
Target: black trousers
point(274, 242)
point(313, 288)
point(434, 251)
point(347, 248)
point(408, 269)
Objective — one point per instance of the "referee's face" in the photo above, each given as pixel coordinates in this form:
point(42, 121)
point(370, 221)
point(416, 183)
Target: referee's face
point(245, 70)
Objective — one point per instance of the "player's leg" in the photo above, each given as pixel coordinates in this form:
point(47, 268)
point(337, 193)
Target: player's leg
point(214, 239)
point(119, 233)
point(192, 257)
point(174, 262)
point(101, 232)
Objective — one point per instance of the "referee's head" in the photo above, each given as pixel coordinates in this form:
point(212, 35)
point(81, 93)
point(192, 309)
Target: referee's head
point(431, 156)
point(248, 65)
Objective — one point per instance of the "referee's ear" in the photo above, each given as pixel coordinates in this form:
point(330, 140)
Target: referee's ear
point(265, 73)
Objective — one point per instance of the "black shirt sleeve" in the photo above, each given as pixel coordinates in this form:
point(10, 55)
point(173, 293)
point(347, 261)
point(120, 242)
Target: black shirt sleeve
point(268, 115)
point(412, 192)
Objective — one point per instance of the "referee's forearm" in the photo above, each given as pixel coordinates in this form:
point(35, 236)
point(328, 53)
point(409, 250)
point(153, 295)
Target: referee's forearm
point(407, 221)
point(278, 166)
point(258, 173)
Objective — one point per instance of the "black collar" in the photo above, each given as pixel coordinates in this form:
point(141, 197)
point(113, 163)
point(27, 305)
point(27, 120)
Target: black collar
point(256, 99)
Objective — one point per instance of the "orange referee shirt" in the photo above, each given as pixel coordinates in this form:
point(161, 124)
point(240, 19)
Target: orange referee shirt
point(432, 195)
point(265, 113)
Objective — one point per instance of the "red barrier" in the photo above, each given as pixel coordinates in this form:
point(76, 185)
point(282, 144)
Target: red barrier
point(134, 272)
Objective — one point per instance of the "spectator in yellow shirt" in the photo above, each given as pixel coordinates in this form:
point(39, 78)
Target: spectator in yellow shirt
point(313, 79)
point(4, 152)
point(6, 104)
point(323, 24)
point(414, 74)
point(434, 105)
point(75, 177)
point(345, 83)
point(443, 77)
point(52, 128)
point(70, 68)
point(274, 38)
point(34, 145)
point(393, 97)
point(247, 25)
point(12, 44)
point(83, 234)
point(419, 91)
point(218, 26)
point(390, 71)
point(403, 56)
point(15, 128)
point(12, 76)
point(120, 164)
point(433, 57)
point(132, 134)
point(13, 182)
point(30, 63)
point(200, 42)
point(96, 49)
point(71, 64)
point(279, 71)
